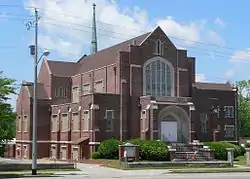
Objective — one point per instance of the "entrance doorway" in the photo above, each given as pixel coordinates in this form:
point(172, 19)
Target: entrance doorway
point(169, 131)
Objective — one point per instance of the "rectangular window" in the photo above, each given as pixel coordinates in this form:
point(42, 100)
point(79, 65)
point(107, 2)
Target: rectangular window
point(75, 121)
point(19, 124)
point(56, 92)
point(65, 123)
point(75, 94)
point(65, 92)
point(54, 122)
point(61, 92)
point(229, 130)
point(218, 112)
point(25, 151)
point(159, 47)
point(25, 123)
point(85, 120)
point(204, 123)
point(99, 86)
point(85, 89)
point(109, 120)
point(229, 111)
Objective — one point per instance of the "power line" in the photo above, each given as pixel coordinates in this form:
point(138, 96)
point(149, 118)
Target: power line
point(173, 37)
point(197, 50)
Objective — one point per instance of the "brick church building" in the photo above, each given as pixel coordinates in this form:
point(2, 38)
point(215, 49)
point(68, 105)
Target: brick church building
point(141, 88)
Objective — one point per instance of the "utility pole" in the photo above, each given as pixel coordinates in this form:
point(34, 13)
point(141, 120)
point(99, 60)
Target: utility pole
point(34, 52)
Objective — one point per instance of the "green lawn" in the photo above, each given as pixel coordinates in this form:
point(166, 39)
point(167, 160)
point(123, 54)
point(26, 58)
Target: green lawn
point(241, 160)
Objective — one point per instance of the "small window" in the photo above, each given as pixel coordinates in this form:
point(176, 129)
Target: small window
point(229, 131)
point(65, 92)
point(85, 120)
point(65, 123)
point(25, 123)
point(229, 111)
point(19, 123)
point(75, 121)
point(56, 92)
point(75, 94)
point(204, 123)
point(99, 86)
point(109, 120)
point(85, 89)
point(159, 47)
point(60, 91)
point(54, 122)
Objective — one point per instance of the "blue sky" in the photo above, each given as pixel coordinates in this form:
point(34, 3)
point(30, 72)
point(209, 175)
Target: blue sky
point(212, 31)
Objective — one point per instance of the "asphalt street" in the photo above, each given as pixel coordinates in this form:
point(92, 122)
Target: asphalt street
point(161, 176)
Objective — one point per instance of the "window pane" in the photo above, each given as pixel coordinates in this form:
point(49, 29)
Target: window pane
point(153, 78)
point(158, 79)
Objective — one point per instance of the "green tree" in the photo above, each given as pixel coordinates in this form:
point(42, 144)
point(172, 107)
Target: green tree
point(244, 107)
point(7, 116)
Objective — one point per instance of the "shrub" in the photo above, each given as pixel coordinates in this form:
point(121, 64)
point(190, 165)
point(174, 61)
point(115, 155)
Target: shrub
point(108, 149)
point(247, 145)
point(242, 150)
point(151, 149)
point(221, 149)
point(96, 155)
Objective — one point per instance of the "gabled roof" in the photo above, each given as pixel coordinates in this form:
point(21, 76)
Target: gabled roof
point(63, 68)
point(41, 92)
point(213, 86)
point(107, 56)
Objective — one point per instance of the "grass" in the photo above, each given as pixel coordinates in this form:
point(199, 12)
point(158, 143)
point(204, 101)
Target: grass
point(241, 160)
point(105, 162)
point(118, 165)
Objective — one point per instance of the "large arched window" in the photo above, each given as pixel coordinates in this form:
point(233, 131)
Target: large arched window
point(158, 77)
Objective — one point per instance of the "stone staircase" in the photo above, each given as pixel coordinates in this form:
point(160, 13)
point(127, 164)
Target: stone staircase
point(195, 151)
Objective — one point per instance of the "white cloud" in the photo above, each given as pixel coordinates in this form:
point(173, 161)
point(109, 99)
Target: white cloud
point(200, 78)
point(241, 56)
point(64, 21)
point(219, 22)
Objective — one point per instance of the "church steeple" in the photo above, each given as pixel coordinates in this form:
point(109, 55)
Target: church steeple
point(94, 36)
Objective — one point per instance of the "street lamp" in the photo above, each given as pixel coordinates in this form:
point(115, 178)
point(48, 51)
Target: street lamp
point(33, 52)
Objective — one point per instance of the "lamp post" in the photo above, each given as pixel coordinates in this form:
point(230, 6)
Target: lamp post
point(33, 52)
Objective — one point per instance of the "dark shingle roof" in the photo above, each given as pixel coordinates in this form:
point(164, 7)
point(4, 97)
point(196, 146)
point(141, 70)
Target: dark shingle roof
point(107, 56)
point(63, 68)
point(213, 86)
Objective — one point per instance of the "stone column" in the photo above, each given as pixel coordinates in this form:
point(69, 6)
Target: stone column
point(230, 156)
point(152, 118)
point(248, 156)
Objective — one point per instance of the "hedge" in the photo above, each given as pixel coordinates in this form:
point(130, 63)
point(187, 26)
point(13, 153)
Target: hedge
point(221, 149)
point(148, 150)
point(151, 150)
point(108, 149)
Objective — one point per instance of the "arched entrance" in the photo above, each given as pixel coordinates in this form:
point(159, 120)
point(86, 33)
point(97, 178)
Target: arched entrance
point(173, 124)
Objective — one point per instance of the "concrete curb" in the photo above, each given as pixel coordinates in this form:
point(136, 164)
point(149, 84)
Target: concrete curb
point(229, 170)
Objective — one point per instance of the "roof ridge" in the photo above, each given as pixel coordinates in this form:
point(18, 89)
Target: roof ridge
point(84, 57)
point(212, 83)
point(60, 61)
